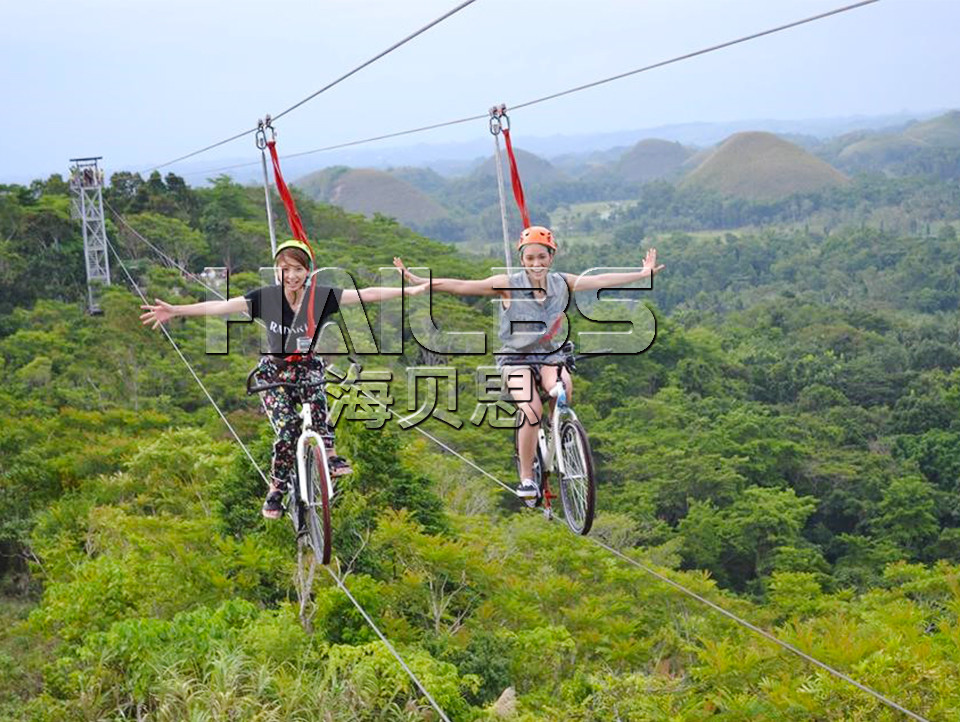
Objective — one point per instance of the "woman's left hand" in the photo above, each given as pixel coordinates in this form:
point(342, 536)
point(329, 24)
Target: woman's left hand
point(416, 290)
point(650, 262)
point(412, 277)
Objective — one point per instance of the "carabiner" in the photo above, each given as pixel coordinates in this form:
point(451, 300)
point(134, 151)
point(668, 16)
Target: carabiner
point(268, 124)
point(261, 136)
point(495, 120)
point(504, 118)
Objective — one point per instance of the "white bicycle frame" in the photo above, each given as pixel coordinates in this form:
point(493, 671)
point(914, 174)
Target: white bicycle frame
point(307, 434)
point(548, 451)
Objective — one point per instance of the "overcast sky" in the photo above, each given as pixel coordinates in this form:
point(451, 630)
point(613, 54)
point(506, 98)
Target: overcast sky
point(143, 81)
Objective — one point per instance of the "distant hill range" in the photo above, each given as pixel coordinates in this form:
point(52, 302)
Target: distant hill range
point(753, 165)
point(762, 166)
point(889, 151)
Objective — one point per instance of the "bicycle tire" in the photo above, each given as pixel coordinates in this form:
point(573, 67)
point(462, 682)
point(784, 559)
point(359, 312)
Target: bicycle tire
point(316, 508)
point(537, 464)
point(577, 484)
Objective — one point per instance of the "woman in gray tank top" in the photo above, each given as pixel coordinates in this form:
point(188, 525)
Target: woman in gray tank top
point(533, 327)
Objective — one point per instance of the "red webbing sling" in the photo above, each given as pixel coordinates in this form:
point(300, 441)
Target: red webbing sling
point(515, 180)
point(296, 228)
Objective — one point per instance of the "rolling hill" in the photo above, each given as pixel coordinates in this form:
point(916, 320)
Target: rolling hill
point(533, 169)
point(761, 166)
point(885, 150)
point(652, 159)
point(941, 132)
point(369, 191)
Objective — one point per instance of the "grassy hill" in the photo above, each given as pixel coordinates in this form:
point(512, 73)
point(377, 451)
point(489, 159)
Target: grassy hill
point(533, 169)
point(878, 151)
point(368, 191)
point(652, 159)
point(941, 132)
point(424, 179)
point(760, 166)
point(890, 151)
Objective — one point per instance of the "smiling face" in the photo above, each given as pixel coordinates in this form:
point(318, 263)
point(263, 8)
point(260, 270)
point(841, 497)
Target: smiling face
point(536, 261)
point(292, 270)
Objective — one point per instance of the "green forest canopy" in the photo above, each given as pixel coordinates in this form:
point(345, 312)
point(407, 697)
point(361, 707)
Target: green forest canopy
point(789, 446)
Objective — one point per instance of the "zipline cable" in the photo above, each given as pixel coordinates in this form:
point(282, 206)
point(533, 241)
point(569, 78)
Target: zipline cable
point(196, 278)
point(348, 144)
point(338, 580)
point(387, 644)
point(713, 605)
point(325, 88)
point(374, 59)
point(694, 54)
point(649, 570)
point(758, 630)
point(569, 91)
point(170, 261)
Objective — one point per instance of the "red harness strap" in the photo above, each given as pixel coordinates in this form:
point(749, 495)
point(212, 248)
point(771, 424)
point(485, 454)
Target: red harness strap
point(515, 180)
point(296, 228)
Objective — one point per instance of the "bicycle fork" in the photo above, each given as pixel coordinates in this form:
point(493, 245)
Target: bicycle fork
point(549, 449)
point(308, 435)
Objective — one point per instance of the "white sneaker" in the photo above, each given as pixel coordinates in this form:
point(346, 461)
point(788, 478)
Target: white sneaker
point(527, 489)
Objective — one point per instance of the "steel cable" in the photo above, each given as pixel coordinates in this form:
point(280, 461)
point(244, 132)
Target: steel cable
point(325, 88)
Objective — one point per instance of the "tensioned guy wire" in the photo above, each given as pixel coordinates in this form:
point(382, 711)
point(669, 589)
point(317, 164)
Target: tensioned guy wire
point(325, 88)
point(194, 277)
point(338, 580)
point(189, 366)
point(620, 555)
point(569, 91)
point(375, 58)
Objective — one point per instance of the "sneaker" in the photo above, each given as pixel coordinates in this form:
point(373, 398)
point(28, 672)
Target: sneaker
point(527, 489)
point(273, 505)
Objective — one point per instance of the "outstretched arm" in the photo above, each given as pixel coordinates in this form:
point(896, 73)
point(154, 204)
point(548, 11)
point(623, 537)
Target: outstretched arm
point(351, 296)
point(610, 280)
point(491, 286)
point(163, 311)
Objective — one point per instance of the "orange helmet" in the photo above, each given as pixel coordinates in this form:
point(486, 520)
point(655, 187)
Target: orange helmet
point(537, 234)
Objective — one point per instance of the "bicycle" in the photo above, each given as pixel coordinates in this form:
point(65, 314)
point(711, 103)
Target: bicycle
point(574, 464)
point(310, 495)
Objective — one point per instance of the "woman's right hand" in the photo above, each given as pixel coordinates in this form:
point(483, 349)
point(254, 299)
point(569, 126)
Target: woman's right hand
point(161, 313)
point(411, 277)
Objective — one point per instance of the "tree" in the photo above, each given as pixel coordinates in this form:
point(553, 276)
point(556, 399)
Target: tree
point(739, 542)
point(178, 240)
point(907, 515)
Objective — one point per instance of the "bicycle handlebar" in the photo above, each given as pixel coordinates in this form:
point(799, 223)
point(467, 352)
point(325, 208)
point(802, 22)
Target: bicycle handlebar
point(282, 363)
point(570, 359)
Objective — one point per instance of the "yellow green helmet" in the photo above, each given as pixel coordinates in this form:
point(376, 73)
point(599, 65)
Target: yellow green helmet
point(299, 245)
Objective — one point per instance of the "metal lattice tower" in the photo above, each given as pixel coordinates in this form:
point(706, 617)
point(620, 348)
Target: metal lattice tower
point(86, 183)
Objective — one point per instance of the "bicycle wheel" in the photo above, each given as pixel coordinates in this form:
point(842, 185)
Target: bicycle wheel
point(537, 464)
point(577, 489)
point(316, 508)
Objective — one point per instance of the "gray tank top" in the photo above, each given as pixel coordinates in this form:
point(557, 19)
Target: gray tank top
point(530, 326)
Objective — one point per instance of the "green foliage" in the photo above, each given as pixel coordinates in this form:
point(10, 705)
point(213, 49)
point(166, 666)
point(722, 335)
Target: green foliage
point(790, 435)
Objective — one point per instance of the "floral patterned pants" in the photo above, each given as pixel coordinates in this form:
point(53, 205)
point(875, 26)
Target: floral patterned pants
point(281, 407)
